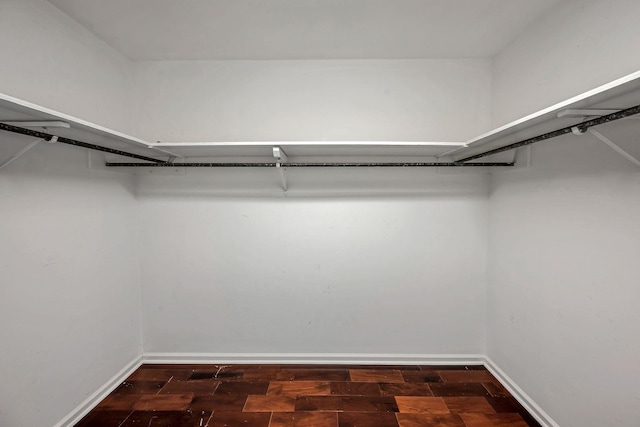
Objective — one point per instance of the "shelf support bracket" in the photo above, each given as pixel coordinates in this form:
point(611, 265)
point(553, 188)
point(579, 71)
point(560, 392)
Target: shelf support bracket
point(281, 157)
point(21, 152)
point(615, 147)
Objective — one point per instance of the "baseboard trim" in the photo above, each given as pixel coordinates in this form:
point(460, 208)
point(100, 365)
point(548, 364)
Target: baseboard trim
point(532, 407)
point(92, 401)
point(314, 358)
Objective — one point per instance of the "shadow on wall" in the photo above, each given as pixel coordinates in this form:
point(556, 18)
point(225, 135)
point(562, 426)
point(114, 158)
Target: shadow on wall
point(320, 182)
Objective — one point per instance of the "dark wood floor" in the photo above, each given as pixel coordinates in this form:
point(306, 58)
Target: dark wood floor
point(309, 396)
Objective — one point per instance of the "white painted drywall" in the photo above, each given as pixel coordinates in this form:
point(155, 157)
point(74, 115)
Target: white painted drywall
point(563, 318)
point(51, 60)
point(70, 283)
point(70, 293)
point(579, 45)
point(350, 261)
point(362, 261)
point(396, 100)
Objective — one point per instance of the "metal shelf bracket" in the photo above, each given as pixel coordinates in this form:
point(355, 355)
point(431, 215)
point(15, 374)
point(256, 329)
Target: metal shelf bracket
point(281, 157)
point(21, 152)
point(615, 147)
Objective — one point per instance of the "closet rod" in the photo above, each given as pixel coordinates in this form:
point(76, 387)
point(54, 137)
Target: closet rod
point(577, 129)
point(306, 165)
point(50, 137)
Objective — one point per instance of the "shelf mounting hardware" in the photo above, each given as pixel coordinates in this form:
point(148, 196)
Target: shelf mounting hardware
point(281, 157)
point(615, 147)
point(21, 152)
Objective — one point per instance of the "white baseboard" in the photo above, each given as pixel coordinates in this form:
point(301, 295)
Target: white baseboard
point(92, 401)
point(315, 358)
point(532, 407)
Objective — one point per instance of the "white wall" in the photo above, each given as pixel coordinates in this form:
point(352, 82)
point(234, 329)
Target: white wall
point(422, 100)
point(356, 261)
point(563, 318)
point(564, 241)
point(70, 293)
point(363, 261)
point(579, 45)
point(51, 60)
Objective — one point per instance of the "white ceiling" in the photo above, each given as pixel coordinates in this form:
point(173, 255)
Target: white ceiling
point(306, 29)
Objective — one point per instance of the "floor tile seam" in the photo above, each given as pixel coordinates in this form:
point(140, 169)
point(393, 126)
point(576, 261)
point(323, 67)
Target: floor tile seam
point(126, 418)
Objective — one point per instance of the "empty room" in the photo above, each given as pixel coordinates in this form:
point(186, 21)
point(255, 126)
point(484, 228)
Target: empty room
point(319, 213)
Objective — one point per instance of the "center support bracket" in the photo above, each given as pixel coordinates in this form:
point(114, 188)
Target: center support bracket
point(281, 157)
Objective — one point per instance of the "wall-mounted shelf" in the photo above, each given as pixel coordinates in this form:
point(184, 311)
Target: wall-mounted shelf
point(311, 149)
point(17, 110)
point(618, 95)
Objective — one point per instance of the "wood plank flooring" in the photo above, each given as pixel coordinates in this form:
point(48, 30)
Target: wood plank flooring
point(309, 396)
